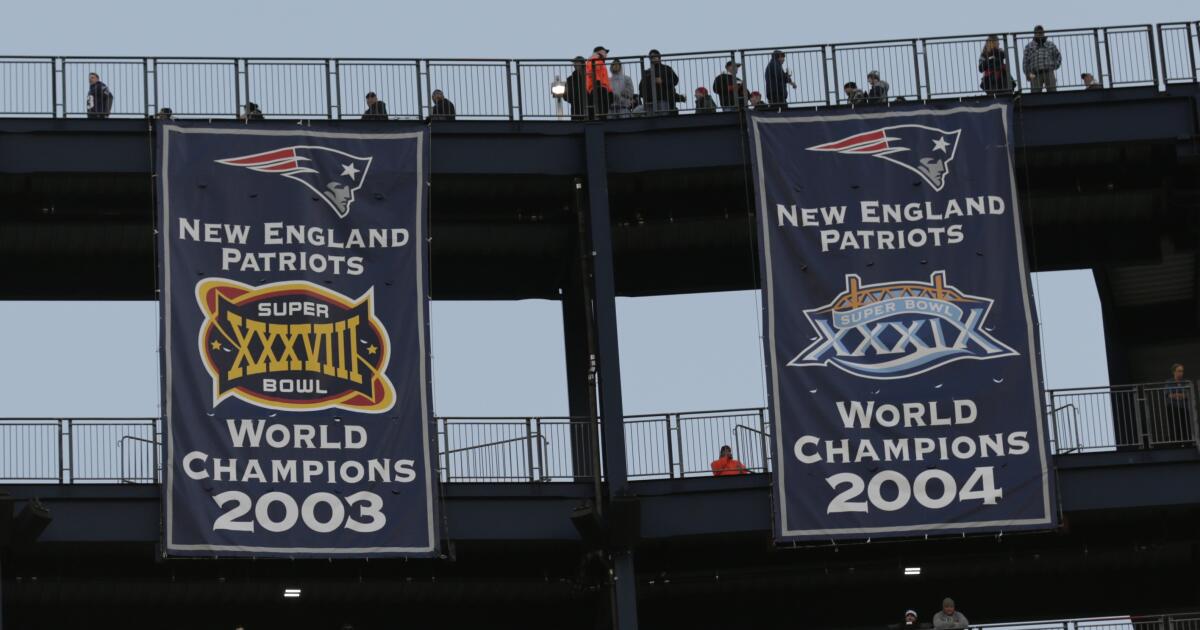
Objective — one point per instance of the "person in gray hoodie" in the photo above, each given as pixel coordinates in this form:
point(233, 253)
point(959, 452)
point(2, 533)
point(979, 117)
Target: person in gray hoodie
point(949, 618)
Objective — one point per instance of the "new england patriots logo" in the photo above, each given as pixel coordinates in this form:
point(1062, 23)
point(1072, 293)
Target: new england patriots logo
point(332, 174)
point(899, 329)
point(926, 151)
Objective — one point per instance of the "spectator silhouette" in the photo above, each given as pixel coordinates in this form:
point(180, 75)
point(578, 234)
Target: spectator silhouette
point(993, 63)
point(376, 109)
point(577, 94)
point(1176, 427)
point(598, 86)
point(164, 114)
point(910, 622)
point(1090, 82)
point(99, 97)
point(756, 102)
point(1040, 60)
point(948, 618)
point(658, 86)
point(704, 101)
point(726, 465)
point(251, 111)
point(778, 79)
point(624, 96)
point(443, 108)
point(729, 89)
point(877, 94)
point(854, 96)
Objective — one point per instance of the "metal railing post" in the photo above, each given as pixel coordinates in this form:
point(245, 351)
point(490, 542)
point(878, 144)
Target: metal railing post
point(1143, 436)
point(70, 438)
point(146, 102)
point(237, 87)
point(1107, 54)
point(1015, 61)
point(670, 451)
point(762, 439)
point(328, 94)
point(60, 451)
point(1195, 420)
point(1162, 54)
point(54, 84)
point(679, 443)
point(420, 88)
point(916, 72)
point(246, 74)
point(509, 85)
point(520, 102)
point(833, 89)
point(1153, 56)
point(928, 83)
point(529, 447)
point(337, 82)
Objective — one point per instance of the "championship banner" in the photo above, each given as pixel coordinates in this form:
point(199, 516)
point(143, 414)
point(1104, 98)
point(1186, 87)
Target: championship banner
point(899, 326)
point(293, 277)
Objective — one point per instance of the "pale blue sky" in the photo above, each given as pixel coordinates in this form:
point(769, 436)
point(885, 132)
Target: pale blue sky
point(678, 353)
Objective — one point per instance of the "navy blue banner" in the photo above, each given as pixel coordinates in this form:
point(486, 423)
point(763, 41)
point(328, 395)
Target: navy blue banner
point(900, 338)
point(295, 347)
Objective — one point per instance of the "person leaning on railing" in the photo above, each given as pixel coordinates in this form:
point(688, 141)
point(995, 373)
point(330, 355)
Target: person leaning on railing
point(729, 89)
point(704, 101)
point(576, 93)
point(624, 96)
point(993, 63)
point(376, 109)
point(778, 79)
point(442, 108)
point(1179, 409)
point(658, 86)
point(99, 98)
point(948, 618)
point(598, 86)
point(726, 465)
point(877, 94)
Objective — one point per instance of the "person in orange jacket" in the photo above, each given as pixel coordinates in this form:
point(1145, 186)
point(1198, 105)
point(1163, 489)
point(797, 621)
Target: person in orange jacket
point(727, 465)
point(599, 88)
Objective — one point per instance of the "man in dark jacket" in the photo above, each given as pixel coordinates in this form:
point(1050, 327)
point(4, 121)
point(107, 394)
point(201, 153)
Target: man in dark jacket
point(442, 108)
point(877, 94)
point(658, 86)
point(778, 79)
point(854, 96)
point(99, 99)
point(577, 94)
point(376, 109)
point(729, 89)
point(251, 111)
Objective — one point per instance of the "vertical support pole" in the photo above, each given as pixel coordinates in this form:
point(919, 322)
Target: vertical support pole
point(624, 587)
point(237, 88)
point(834, 89)
point(670, 449)
point(54, 84)
point(762, 440)
point(679, 444)
point(624, 591)
point(1107, 54)
point(60, 451)
point(520, 104)
point(146, 110)
point(1153, 56)
point(916, 73)
point(509, 84)
point(529, 447)
point(328, 94)
point(70, 454)
point(928, 81)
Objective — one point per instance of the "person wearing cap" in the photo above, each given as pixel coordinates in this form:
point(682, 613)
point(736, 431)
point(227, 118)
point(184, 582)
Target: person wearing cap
point(164, 114)
point(599, 88)
point(442, 108)
point(756, 102)
point(1090, 82)
point(376, 109)
point(704, 101)
point(729, 89)
point(877, 94)
point(778, 79)
point(624, 96)
point(658, 86)
point(948, 618)
point(577, 94)
point(910, 622)
point(1040, 60)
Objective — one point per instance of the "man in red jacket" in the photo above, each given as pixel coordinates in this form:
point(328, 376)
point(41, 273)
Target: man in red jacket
point(598, 86)
point(727, 465)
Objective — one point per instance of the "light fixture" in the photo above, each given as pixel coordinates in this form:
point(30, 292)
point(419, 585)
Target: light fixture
point(291, 593)
point(558, 89)
point(912, 570)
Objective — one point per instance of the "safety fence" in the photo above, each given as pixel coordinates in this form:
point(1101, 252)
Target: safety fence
point(563, 449)
point(1179, 621)
point(556, 89)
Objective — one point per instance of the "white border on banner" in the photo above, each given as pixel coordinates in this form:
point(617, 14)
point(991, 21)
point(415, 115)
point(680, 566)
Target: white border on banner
point(781, 479)
point(164, 233)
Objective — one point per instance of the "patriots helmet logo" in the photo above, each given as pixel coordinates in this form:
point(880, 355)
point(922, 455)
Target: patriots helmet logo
point(333, 175)
point(926, 151)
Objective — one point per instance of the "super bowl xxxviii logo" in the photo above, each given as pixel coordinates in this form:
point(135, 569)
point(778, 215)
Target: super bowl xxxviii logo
point(294, 346)
point(899, 329)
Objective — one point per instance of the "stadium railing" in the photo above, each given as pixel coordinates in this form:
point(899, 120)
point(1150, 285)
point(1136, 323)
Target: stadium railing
point(511, 89)
point(564, 449)
point(1178, 621)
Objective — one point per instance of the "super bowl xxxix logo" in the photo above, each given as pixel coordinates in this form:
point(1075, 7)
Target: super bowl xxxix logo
point(294, 346)
point(899, 329)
